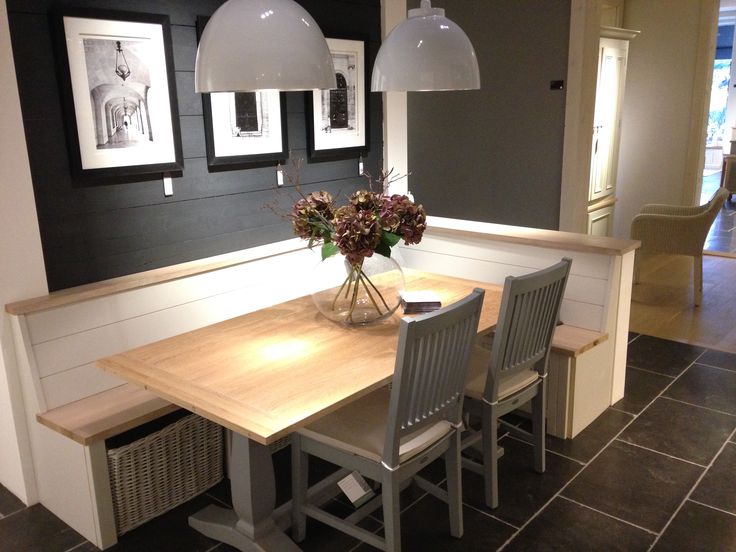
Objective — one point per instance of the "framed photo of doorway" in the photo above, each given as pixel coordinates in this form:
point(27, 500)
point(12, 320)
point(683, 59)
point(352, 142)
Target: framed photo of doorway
point(337, 118)
point(243, 130)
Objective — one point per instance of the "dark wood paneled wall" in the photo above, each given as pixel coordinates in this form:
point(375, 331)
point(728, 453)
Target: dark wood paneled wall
point(495, 154)
point(91, 233)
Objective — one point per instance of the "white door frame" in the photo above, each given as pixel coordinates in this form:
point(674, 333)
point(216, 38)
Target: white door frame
point(580, 105)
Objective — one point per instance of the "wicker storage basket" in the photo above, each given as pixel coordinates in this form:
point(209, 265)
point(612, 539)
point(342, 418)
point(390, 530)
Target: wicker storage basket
point(158, 472)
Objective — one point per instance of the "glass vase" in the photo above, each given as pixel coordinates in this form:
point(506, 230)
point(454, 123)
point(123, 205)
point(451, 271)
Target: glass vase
point(357, 294)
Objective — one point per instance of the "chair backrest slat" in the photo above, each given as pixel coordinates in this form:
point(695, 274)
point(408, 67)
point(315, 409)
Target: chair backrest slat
point(530, 309)
point(431, 367)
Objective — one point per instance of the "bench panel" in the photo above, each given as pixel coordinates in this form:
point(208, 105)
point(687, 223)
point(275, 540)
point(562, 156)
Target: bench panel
point(534, 258)
point(586, 313)
point(278, 271)
point(86, 346)
point(76, 383)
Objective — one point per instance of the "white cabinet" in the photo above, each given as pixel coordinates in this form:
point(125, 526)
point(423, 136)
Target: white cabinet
point(600, 221)
point(612, 58)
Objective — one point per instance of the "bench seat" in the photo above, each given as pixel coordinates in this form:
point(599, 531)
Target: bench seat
point(106, 414)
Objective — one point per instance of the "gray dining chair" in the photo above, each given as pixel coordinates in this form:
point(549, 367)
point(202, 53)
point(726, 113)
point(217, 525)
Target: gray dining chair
point(514, 370)
point(391, 434)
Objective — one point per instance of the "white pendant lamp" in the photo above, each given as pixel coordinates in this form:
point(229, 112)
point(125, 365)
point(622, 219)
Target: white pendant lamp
point(426, 52)
point(250, 45)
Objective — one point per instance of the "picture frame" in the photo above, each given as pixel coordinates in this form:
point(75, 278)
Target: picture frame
point(118, 93)
point(337, 120)
point(244, 130)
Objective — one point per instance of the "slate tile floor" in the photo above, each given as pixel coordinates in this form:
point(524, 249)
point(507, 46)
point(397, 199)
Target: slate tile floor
point(722, 234)
point(656, 471)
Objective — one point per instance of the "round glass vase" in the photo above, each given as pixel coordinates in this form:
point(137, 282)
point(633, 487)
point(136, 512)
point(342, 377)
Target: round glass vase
point(357, 294)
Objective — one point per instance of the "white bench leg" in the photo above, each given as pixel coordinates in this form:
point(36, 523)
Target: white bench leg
point(97, 472)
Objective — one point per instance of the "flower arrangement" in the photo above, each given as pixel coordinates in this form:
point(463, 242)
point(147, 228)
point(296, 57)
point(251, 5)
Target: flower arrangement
point(371, 222)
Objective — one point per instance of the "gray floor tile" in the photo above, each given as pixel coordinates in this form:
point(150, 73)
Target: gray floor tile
point(169, 532)
point(688, 432)
point(593, 438)
point(566, 526)
point(699, 528)
point(522, 491)
point(661, 355)
point(706, 386)
point(322, 538)
point(425, 527)
point(35, 529)
point(9, 503)
point(719, 358)
point(641, 388)
point(633, 484)
point(718, 487)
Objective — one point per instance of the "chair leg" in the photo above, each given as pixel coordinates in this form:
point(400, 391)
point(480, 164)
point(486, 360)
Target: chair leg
point(490, 456)
point(698, 279)
point(454, 486)
point(539, 424)
point(390, 490)
point(299, 482)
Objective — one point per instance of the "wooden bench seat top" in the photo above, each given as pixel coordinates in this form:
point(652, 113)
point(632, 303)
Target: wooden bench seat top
point(568, 341)
point(572, 341)
point(106, 414)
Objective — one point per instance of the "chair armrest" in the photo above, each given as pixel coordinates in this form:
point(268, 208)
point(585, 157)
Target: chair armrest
point(675, 210)
point(681, 235)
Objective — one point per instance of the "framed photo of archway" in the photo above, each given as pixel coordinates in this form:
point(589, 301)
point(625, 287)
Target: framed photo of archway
point(337, 119)
point(119, 92)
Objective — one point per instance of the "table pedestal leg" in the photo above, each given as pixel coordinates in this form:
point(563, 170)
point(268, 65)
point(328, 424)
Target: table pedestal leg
point(249, 526)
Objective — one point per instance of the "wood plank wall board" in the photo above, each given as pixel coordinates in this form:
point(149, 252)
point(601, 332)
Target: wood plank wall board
point(495, 154)
point(91, 233)
point(67, 341)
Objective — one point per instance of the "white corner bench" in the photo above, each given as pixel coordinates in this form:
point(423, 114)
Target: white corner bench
point(72, 407)
point(58, 337)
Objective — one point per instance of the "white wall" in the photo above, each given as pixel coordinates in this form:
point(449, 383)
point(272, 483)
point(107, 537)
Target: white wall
point(22, 272)
point(659, 129)
point(394, 106)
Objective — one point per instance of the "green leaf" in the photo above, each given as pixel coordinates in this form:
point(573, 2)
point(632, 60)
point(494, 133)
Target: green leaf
point(383, 249)
point(389, 238)
point(328, 250)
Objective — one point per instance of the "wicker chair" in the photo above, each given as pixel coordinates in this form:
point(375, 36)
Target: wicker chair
point(728, 174)
point(677, 230)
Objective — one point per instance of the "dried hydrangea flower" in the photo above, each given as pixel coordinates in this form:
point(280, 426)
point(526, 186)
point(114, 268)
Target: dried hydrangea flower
point(366, 200)
point(312, 215)
point(357, 234)
point(402, 216)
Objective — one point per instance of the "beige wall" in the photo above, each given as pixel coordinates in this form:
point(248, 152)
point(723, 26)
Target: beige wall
point(21, 269)
point(659, 150)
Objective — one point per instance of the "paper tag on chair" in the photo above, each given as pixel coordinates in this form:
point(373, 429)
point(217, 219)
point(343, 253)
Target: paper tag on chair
point(356, 489)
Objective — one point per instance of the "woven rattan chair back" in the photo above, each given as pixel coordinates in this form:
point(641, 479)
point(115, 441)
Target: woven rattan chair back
point(530, 308)
point(431, 366)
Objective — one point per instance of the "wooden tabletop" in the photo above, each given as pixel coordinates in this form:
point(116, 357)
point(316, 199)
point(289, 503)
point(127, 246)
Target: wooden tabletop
point(269, 372)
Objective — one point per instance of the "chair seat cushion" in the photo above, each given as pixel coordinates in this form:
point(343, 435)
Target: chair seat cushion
point(360, 428)
point(475, 384)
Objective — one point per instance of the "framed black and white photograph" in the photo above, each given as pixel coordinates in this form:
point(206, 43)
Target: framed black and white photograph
point(120, 93)
point(337, 118)
point(244, 129)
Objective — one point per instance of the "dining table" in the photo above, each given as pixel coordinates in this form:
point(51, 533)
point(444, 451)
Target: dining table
point(265, 374)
